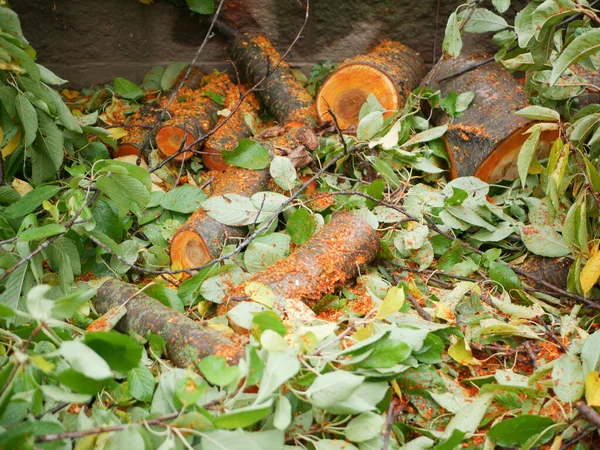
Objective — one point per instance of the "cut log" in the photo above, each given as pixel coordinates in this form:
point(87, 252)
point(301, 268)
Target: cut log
point(486, 139)
point(235, 128)
point(591, 96)
point(148, 115)
point(187, 340)
point(552, 270)
point(390, 72)
point(192, 115)
point(281, 92)
point(202, 238)
point(327, 261)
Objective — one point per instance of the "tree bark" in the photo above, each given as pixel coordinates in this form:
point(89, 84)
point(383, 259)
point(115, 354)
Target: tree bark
point(588, 97)
point(202, 238)
point(390, 72)
point(281, 92)
point(327, 261)
point(187, 341)
point(192, 115)
point(486, 139)
point(553, 270)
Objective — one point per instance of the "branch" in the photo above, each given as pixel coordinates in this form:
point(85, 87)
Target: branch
point(588, 413)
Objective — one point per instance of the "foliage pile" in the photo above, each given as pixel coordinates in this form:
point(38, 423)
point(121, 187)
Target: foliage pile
point(448, 339)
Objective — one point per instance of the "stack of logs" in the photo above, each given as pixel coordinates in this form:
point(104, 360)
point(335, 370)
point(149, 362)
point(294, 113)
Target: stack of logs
point(484, 141)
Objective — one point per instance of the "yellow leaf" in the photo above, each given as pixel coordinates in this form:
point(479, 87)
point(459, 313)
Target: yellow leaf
point(363, 333)
point(592, 388)
point(70, 95)
point(22, 187)
point(444, 313)
point(461, 354)
point(590, 273)
point(393, 301)
point(117, 132)
point(12, 144)
point(146, 2)
point(1, 135)
point(42, 363)
point(260, 293)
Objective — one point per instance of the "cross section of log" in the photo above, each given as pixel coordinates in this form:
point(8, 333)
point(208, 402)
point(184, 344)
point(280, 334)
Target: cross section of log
point(187, 340)
point(486, 139)
point(202, 238)
point(327, 261)
point(390, 72)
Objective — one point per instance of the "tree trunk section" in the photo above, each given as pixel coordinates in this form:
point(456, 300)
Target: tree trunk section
point(202, 238)
point(552, 270)
point(193, 114)
point(591, 77)
point(486, 139)
point(327, 261)
point(187, 340)
point(281, 92)
point(390, 72)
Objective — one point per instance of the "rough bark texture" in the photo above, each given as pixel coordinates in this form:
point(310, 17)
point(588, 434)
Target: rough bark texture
point(552, 270)
point(202, 238)
point(187, 341)
point(281, 92)
point(146, 116)
point(235, 128)
point(485, 140)
point(325, 262)
point(192, 115)
point(390, 72)
point(590, 77)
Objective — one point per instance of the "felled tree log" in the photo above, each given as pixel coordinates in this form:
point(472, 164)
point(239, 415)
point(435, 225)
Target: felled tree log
point(591, 77)
point(327, 261)
point(485, 140)
point(187, 340)
point(390, 72)
point(202, 238)
point(235, 128)
point(193, 116)
point(552, 270)
point(281, 92)
point(147, 116)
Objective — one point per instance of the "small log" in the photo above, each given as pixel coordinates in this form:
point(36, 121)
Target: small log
point(552, 270)
point(390, 72)
point(202, 238)
point(234, 129)
point(187, 340)
point(148, 115)
point(486, 139)
point(281, 92)
point(327, 261)
point(192, 117)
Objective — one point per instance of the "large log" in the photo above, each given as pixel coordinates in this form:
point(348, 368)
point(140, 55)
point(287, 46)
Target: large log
point(591, 95)
point(390, 72)
point(327, 261)
point(187, 340)
point(255, 58)
point(202, 238)
point(235, 128)
point(486, 139)
point(193, 116)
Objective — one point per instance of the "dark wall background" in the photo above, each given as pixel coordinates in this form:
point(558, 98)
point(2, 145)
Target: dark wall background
point(92, 41)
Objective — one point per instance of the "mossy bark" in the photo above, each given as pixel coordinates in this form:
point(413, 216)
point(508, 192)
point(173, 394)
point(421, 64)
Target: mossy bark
point(187, 340)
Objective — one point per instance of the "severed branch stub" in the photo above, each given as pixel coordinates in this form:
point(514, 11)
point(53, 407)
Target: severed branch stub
point(485, 140)
point(390, 72)
point(202, 238)
point(187, 340)
point(327, 261)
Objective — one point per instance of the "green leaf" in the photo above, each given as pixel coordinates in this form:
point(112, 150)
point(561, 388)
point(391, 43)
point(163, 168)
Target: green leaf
point(393, 301)
point(333, 387)
point(84, 360)
point(82, 384)
point(581, 47)
point(568, 380)
point(484, 21)
point(231, 209)
point(48, 149)
point(385, 170)
point(31, 201)
point(544, 241)
point(123, 189)
point(283, 172)
point(505, 276)
point(202, 6)
point(243, 440)
point(539, 113)
point(49, 77)
point(171, 74)
point(364, 427)
point(267, 320)
point(280, 367)
point(128, 89)
point(9, 23)
point(452, 40)
point(63, 112)
point(590, 352)
point(501, 5)
point(13, 288)
point(242, 417)
point(216, 370)
point(301, 225)
point(526, 155)
point(248, 154)
point(184, 199)
point(467, 419)
point(65, 307)
point(120, 351)
point(39, 233)
point(152, 79)
point(28, 117)
point(518, 430)
point(265, 251)
point(369, 125)
point(426, 136)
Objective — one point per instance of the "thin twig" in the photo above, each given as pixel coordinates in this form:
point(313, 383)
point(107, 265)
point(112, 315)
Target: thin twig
point(390, 417)
point(588, 413)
